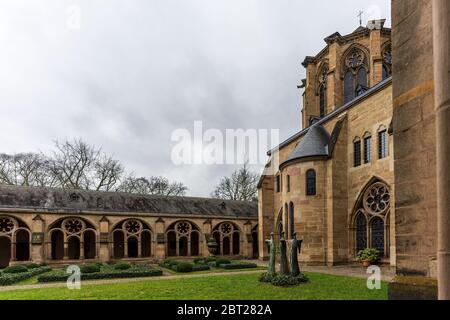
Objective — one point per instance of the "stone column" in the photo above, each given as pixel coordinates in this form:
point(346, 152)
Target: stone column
point(139, 248)
point(125, 247)
point(441, 34)
point(66, 251)
point(13, 251)
point(82, 250)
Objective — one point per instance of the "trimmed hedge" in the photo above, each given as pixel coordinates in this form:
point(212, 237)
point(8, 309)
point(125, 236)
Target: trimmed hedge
point(7, 279)
point(122, 266)
point(90, 268)
point(281, 280)
point(32, 265)
point(200, 267)
point(183, 267)
point(242, 265)
point(136, 272)
point(222, 261)
point(15, 269)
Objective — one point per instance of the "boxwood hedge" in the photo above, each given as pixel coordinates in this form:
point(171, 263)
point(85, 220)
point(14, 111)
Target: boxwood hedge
point(241, 265)
point(105, 273)
point(7, 279)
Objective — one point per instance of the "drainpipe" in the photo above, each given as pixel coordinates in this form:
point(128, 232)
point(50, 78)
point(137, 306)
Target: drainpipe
point(441, 40)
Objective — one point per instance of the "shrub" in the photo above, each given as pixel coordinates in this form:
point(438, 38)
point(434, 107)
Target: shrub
point(200, 267)
point(222, 261)
point(200, 261)
point(369, 254)
point(242, 265)
point(211, 259)
point(90, 268)
point(7, 279)
point(134, 272)
point(184, 267)
point(32, 266)
point(281, 280)
point(122, 266)
point(169, 262)
point(15, 269)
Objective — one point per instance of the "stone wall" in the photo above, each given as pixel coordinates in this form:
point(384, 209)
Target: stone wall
point(414, 137)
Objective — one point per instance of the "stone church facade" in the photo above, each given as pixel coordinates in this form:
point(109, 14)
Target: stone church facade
point(57, 226)
point(333, 182)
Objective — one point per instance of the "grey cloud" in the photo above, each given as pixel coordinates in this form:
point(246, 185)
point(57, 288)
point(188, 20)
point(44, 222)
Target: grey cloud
point(139, 69)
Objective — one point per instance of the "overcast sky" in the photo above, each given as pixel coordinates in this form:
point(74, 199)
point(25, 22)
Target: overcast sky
point(136, 70)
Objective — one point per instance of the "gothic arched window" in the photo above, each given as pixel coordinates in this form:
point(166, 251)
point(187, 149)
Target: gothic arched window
point(355, 74)
point(322, 92)
point(322, 85)
point(387, 61)
point(377, 232)
point(371, 220)
point(361, 232)
point(310, 182)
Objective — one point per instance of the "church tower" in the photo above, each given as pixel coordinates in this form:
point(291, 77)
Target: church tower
point(345, 69)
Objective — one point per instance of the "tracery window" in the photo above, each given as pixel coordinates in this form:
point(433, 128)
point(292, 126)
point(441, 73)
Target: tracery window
point(371, 221)
point(80, 236)
point(14, 241)
point(377, 199)
point(132, 238)
point(183, 239)
point(228, 237)
point(355, 74)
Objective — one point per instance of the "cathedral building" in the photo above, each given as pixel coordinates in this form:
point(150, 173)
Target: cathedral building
point(333, 182)
point(61, 226)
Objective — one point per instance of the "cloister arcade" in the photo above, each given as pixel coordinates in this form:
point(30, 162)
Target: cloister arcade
point(89, 239)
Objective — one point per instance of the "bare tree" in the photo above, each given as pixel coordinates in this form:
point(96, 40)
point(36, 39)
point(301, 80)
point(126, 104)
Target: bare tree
point(153, 185)
point(72, 162)
point(77, 165)
point(241, 185)
point(107, 173)
point(26, 169)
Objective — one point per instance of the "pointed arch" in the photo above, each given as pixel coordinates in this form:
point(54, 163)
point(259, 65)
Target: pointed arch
point(354, 71)
point(369, 222)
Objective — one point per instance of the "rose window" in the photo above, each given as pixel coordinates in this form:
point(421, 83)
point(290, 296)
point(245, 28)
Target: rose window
point(226, 228)
point(6, 225)
point(183, 227)
point(355, 60)
point(73, 226)
point(377, 199)
point(133, 226)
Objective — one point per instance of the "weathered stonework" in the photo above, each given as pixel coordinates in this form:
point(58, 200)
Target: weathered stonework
point(39, 213)
point(326, 221)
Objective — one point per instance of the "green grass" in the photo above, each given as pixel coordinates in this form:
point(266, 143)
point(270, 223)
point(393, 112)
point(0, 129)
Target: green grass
point(226, 287)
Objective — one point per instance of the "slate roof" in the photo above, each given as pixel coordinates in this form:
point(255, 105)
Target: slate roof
point(315, 144)
point(50, 199)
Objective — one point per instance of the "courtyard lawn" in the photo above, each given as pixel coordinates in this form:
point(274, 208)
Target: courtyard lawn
point(223, 287)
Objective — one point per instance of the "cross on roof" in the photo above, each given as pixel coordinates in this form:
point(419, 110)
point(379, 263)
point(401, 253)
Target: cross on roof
point(360, 13)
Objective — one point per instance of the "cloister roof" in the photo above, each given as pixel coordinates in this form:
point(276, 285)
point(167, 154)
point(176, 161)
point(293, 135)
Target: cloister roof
point(51, 199)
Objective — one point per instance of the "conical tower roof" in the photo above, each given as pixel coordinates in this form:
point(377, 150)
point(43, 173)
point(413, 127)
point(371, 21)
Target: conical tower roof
point(315, 144)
